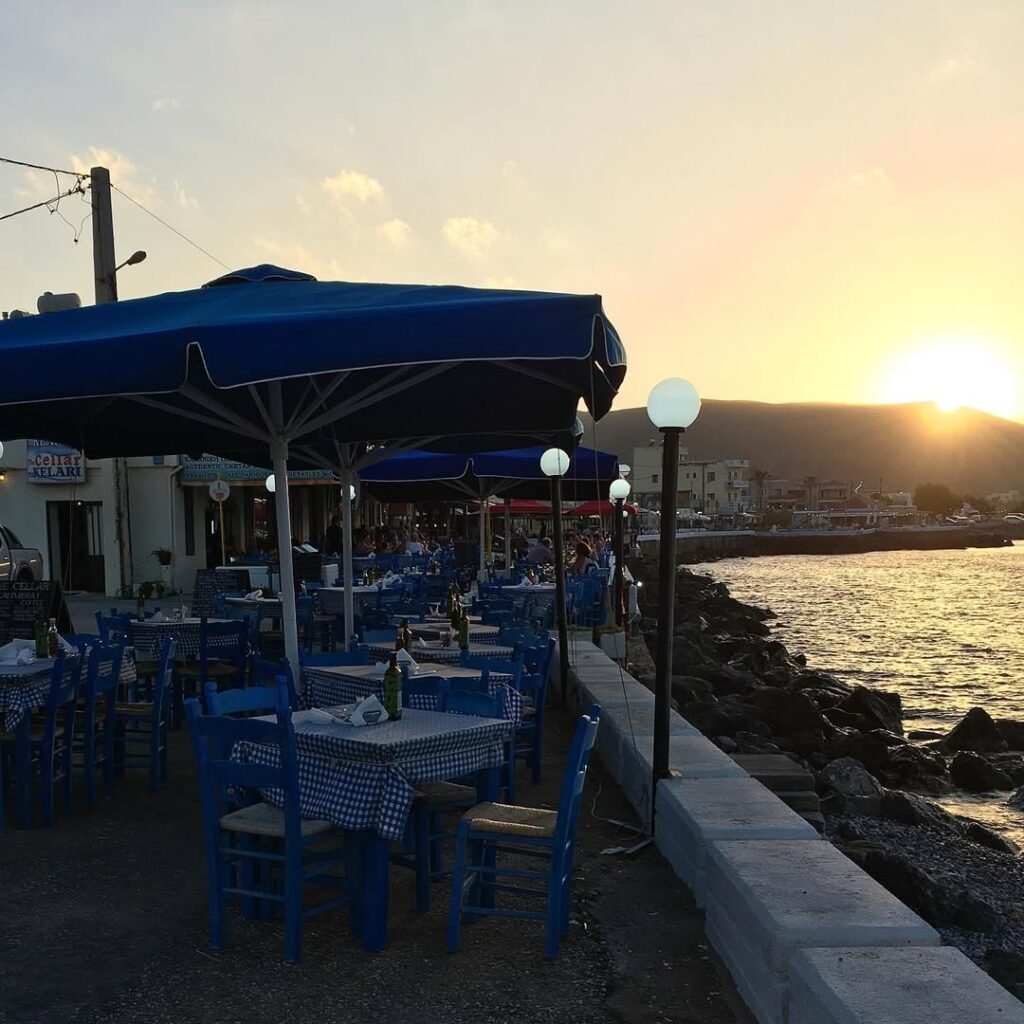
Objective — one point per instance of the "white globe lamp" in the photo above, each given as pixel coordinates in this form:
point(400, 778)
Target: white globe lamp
point(618, 490)
point(351, 492)
point(554, 462)
point(1, 449)
point(673, 404)
point(270, 483)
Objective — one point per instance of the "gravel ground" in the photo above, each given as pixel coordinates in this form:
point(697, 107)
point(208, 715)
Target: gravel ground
point(104, 919)
point(993, 876)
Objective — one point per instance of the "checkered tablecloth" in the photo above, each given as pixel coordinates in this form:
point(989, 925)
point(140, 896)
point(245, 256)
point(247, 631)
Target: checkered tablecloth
point(326, 687)
point(24, 688)
point(432, 631)
point(433, 651)
point(149, 635)
point(362, 778)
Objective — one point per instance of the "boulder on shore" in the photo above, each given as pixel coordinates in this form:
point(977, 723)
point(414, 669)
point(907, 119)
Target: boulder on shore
point(912, 809)
point(972, 772)
point(855, 789)
point(879, 708)
point(975, 731)
point(1012, 731)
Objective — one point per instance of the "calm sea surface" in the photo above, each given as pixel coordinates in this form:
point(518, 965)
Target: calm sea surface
point(945, 629)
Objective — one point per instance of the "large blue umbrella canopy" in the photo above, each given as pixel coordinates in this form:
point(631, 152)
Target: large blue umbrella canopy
point(515, 473)
point(267, 360)
point(201, 370)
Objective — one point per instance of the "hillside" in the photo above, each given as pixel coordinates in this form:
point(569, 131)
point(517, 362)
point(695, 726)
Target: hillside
point(902, 445)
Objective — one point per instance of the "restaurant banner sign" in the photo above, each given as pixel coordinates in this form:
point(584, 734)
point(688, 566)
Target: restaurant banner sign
point(209, 468)
point(49, 463)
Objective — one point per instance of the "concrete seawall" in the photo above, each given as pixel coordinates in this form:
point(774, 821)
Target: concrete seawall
point(706, 545)
point(807, 936)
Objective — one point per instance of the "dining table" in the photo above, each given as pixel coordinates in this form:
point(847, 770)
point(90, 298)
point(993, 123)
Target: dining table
point(362, 778)
point(148, 634)
point(343, 684)
point(438, 651)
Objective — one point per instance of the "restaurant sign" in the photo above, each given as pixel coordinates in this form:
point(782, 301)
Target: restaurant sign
point(210, 468)
point(49, 463)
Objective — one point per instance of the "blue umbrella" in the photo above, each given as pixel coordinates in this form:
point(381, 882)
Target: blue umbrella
point(270, 360)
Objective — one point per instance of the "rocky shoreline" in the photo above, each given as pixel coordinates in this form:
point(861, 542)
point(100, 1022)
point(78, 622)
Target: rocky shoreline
point(748, 694)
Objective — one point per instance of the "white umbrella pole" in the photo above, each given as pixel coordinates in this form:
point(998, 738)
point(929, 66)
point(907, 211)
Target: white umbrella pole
point(346, 564)
point(508, 538)
point(483, 539)
point(279, 455)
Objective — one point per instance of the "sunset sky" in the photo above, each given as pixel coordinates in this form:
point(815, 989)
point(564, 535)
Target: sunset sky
point(790, 200)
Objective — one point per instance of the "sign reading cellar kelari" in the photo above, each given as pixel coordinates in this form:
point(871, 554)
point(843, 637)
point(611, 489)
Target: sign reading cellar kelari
point(49, 463)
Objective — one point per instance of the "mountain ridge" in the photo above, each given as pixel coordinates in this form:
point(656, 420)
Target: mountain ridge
point(900, 446)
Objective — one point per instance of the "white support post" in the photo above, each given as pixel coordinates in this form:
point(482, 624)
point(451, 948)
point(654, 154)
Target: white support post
point(483, 540)
point(279, 457)
point(508, 538)
point(346, 562)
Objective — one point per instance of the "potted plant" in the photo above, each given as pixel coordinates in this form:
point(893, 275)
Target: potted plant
point(163, 556)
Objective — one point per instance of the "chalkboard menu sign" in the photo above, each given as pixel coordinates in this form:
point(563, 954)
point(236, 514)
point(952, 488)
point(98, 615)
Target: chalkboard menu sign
point(210, 582)
point(306, 568)
point(24, 602)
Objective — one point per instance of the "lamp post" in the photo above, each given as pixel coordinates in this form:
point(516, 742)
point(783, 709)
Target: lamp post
point(554, 464)
point(672, 406)
point(618, 491)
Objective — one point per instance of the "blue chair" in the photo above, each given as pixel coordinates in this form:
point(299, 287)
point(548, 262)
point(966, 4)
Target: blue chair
point(490, 828)
point(533, 685)
point(420, 691)
point(253, 700)
point(142, 725)
point(223, 650)
point(461, 697)
point(98, 714)
point(48, 754)
point(260, 852)
point(113, 626)
point(264, 672)
point(377, 636)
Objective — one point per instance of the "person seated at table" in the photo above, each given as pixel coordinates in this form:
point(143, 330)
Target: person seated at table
point(414, 546)
point(540, 553)
point(584, 562)
point(362, 542)
point(380, 542)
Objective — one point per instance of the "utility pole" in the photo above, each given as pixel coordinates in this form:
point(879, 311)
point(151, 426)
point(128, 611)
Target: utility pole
point(105, 274)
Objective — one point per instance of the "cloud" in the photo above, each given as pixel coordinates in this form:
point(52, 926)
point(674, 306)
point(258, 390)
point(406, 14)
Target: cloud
point(37, 185)
point(352, 185)
point(395, 232)
point(295, 256)
point(872, 180)
point(183, 199)
point(951, 69)
point(470, 236)
point(165, 103)
point(123, 172)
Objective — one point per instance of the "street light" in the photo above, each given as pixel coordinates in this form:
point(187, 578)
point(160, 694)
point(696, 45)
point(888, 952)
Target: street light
point(618, 492)
point(136, 257)
point(672, 406)
point(554, 464)
point(351, 492)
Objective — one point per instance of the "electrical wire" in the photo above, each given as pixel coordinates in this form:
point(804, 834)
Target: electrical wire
point(170, 227)
point(77, 188)
point(41, 167)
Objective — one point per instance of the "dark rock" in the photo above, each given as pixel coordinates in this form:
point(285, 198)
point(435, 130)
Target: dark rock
point(857, 789)
point(924, 734)
point(805, 742)
point(882, 709)
point(872, 751)
point(1016, 799)
point(912, 809)
point(687, 689)
point(822, 698)
point(1011, 763)
point(810, 680)
point(911, 767)
point(726, 744)
point(799, 659)
point(726, 719)
point(1012, 731)
point(1008, 969)
point(724, 678)
point(787, 712)
point(686, 656)
point(839, 717)
point(975, 731)
point(972, 772)
point(989, 838)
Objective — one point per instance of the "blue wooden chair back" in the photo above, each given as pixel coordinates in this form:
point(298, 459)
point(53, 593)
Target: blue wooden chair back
point(83, 641)
point(497, 666)
point(266, 672)
point(466, 702)
point(214, 738)
point(226, 641)
point(357, 656)
point(378, 636)
point(263, 700)
point(65, 683)
point(423, 692)
point(574, 778)
point(103, 671)
point(114, 626)
point(163, 681)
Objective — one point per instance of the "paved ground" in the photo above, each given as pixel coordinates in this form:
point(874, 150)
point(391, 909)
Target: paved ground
point(103, 919)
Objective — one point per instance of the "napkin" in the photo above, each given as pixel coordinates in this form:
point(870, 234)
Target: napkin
point(380, 668)
point(368, 711)
point(254, 595)
point(158, 617)
point(405, 658)
point(18, 652)
point(420, 642)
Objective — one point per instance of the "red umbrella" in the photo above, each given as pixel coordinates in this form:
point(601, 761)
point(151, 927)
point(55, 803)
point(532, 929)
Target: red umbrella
point(598, 508)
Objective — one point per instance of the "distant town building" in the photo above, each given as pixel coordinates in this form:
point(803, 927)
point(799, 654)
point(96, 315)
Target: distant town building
point(711, 486)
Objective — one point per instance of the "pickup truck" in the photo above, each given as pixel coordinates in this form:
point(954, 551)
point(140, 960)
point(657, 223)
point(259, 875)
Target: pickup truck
point(16, 561)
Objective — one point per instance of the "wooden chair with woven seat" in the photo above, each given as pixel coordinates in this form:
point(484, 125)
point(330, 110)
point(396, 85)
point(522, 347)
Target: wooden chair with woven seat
point(97, 714)
point(223, 651)
point(490, 829)
point(141, 737)
point(51, 735)
point(259, 853)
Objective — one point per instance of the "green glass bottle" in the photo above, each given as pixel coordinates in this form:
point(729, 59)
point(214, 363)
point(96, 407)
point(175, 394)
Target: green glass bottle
point(393, 689)
point(456, 610)
point(40, 638)
point(406, 635)
point(464, 631)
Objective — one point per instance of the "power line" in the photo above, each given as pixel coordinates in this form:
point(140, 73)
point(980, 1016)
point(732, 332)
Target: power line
point(195, 245)
point(76, 188)
point(40, 167)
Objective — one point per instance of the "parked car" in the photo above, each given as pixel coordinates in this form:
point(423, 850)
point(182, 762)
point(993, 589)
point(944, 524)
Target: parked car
point(1014, 517)
point(18, 562)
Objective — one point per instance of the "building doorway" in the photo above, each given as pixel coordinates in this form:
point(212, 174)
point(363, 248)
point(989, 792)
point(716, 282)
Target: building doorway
point(75, 539)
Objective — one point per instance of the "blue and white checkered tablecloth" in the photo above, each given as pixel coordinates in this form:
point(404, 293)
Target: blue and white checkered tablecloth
point(362, 778)
point(149, 635)
point(327, 687)
point(432, 651)
point(24, 688)
point(478, 634)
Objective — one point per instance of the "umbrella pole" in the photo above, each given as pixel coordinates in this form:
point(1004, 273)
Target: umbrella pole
point(346, 560)
point(508, 539)
point(279, 455)
point(483, 540)
point(563, 621)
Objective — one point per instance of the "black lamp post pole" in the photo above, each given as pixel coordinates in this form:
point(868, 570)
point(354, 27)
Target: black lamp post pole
point(563, 627)
point(666, 607)
point(617, 542)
